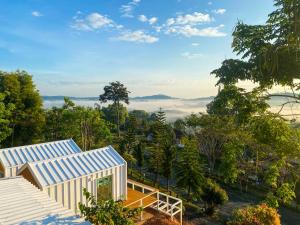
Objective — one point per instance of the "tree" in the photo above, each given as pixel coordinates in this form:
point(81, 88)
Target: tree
point(5, 113)
point(169, 154)
point(255, 215)
point(106, 212)
point(110, 114)
point(139, 155)
point(269, 52)
point(234, 101)
point(117, 93)
point(188, 170)
point(27, 119)
point(84, 124)
point(163, 135)
point(213, 195)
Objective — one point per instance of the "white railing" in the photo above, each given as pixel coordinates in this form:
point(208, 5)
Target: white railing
point(164, 203)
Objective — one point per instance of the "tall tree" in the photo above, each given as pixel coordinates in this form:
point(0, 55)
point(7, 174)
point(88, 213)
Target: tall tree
point(139, 155)
point(169, 154)
point(117, 93)
point(27, 119)
point(189, 171)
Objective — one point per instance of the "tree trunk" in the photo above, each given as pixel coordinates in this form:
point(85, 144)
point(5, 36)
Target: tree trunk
point(118, 118)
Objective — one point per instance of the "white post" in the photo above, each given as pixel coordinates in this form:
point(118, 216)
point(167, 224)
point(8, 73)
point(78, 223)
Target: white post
point(141, 205)
point(181, 213)
point(167, 203)
point(157, 200)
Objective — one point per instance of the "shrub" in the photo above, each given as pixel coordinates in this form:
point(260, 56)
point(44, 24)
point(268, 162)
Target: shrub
point(106, 212)
point(255, 215)
point(213, 195)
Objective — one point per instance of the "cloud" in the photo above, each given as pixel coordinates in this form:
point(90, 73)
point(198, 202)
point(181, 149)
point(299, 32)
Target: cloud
point(137, 36)
point(127, 9)
point(188, 25)
point(190, 31)
point(93, 21)
point(209, 3)
point(36, 14)
point(195, 44)
point(219, 11)
point(194, 18)
point(151, 20)
point(189, 55)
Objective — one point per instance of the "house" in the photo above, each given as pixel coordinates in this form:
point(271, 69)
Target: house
point(103, 172)
point(61, 171)
point(23, 203)
point(12, 159)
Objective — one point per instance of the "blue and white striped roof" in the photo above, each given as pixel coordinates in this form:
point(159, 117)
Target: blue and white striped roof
point(58, 170)
point(18, 156)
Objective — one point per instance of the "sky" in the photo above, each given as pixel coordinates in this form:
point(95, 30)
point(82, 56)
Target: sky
point(75, 48)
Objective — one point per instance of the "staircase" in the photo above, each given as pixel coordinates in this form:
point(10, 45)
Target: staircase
point(23, 203)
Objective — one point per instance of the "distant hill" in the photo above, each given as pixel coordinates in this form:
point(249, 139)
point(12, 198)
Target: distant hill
point(153, 97)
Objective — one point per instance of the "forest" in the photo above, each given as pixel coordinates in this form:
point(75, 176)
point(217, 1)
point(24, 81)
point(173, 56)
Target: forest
point(237, 146)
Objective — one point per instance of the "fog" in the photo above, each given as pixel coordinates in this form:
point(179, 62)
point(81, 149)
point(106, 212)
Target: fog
point(179, 108)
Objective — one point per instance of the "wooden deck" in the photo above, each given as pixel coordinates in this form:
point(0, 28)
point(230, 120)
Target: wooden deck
point(137, 199)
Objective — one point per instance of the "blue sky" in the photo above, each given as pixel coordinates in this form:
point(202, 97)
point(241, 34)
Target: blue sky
point(153, 46)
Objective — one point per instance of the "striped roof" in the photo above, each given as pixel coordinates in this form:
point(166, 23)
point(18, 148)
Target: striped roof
point(17, 156)
point(58, 170)
point(23, 203)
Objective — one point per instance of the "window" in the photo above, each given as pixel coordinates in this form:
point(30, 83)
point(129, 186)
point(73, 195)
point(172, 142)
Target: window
point(104, 188)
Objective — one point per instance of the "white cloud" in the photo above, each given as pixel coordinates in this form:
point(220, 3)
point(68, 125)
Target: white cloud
point(219, 11)
point(93, 21)
point(36, 14)
point(190, 31)
point(209, 3)
point(195, 44)
point(190, 25)
point(195, 18)
point(127, 9)
point(143, 18)
point(151, 20)
point(137, 36)
point(189, 55)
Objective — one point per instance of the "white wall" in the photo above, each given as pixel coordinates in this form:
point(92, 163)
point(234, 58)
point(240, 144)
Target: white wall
point(70, 193)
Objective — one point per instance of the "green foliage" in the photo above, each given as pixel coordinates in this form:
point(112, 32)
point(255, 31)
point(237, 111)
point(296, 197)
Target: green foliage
point(139, 154)
point(234, 101)
point(255, 215)
point(115, 92)
point(213, 195)
point(169, 154)
point(230, 161)
point(5, 114)
point(27, 118)
point(84, 124)
point(189, 168)
point(271, 51)
point(106, 212)
point(111, 113)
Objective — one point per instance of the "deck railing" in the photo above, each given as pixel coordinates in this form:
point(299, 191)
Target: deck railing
point(164, 203)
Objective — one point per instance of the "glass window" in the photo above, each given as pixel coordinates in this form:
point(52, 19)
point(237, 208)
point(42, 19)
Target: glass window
point(104, 188)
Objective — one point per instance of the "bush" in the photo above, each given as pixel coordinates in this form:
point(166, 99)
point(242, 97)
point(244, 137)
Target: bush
point(255, 215)
point(213, 195)
point(161, 220)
